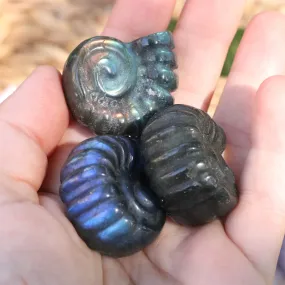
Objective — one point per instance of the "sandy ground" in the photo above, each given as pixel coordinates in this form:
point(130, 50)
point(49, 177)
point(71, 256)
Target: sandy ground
point(35, 32)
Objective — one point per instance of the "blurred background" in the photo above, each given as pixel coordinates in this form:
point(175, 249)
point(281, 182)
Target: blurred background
point(36, 32)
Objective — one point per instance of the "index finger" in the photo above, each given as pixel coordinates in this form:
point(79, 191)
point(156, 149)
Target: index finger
point(202, 38)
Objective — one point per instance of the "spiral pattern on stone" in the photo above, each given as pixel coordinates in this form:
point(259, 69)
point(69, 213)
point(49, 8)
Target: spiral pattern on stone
point(108, 66)
point(112, 211)
point(182, 148)
point(114, 87)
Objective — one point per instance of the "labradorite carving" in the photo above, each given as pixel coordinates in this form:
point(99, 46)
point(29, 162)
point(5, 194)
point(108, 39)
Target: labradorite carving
point(106, 199)
point(182, 147)
point(114, 87)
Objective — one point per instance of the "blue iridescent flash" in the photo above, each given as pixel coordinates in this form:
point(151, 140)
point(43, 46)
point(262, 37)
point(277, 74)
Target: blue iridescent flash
point(106, 202)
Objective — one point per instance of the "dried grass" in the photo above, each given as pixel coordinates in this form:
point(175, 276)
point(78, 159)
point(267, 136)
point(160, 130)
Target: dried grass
point(35, 32)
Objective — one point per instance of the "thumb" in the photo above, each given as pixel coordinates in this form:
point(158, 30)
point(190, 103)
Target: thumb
point(32, 121)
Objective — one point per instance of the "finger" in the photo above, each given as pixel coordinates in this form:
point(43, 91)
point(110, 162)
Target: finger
point(180, 251)
point(129, 20)
point(261, 207)
point(32, 122)
point(259, 56)
point(73, 135)
point(133, 19)
point(202, 39)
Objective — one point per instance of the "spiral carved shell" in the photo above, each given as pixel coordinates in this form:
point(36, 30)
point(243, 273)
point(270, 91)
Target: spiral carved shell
point(182, 147)
point(108, 206)
point(114, 87)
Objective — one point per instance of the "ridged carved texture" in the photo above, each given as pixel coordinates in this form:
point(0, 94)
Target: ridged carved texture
point(108, 206)
point(182, 147)
point(114, 87)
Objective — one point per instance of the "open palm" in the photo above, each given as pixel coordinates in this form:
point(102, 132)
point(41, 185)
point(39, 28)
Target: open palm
point(38, 245)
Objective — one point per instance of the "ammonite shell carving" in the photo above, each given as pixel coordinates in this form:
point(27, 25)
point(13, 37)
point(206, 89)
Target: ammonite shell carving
point(110, 209)
point(114, 87)
point(182, 147)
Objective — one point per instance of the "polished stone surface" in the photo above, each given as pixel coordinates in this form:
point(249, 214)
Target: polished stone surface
point(112, 211)
point(114, 87)
point(182, 148)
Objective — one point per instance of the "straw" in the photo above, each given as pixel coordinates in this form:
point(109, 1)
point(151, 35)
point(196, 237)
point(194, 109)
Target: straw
point(37, 32)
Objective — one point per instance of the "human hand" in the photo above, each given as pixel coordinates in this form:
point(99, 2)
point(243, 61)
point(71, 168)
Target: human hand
point(38, 245)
